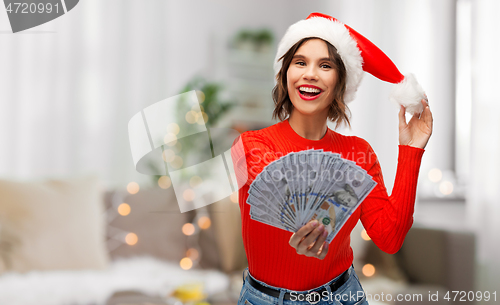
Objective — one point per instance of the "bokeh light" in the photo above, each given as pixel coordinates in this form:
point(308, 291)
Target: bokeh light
point(173, 128)
point(168, 155)
point(124, 209)
point(204, 222)
point(186, 263)
point(446, 187)
point(368, 270)
point(202, 118)
point(191, 117)
point(177, 162)
point(188, 229)
point(131, 239)
point(192, 253)
point(188, 195)
point(234, 197)
point(435, 175)
point(364, 235)
point(201, 96)
point(195, 181)
point(170, 139)
point(133, 188)
point(164, 182)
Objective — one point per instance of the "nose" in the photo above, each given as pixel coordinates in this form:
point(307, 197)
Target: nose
point(310, 73)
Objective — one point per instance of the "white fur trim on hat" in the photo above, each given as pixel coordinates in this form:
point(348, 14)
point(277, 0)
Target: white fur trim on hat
point(408, 93)
point(335, 33)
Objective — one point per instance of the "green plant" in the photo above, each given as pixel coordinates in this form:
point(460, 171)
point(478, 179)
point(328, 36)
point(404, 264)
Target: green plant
point(257, 38)
point(212, 104)
point(263, 37)
point(243, 35)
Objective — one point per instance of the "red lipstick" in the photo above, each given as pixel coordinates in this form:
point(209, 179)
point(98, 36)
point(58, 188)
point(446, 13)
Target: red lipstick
point(311, 97)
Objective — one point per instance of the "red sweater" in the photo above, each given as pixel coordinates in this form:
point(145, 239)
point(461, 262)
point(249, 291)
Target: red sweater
point(386, 219)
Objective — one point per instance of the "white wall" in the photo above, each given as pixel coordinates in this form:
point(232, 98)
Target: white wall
point(419, 38)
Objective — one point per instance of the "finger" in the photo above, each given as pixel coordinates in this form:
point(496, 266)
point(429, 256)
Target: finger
point(402, 118)
point(324, 251)
point(427, 116)
point(319, 242)
point(309, 240)
point(301, 233)
point(418, 115)
point(425, 104)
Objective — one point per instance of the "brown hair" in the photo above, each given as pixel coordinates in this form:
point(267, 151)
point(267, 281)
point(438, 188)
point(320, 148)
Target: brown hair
point(338, 111)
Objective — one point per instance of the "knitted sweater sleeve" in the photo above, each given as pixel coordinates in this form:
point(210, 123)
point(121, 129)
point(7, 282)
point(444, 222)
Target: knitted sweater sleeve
point(250, 153)
point(387, 219)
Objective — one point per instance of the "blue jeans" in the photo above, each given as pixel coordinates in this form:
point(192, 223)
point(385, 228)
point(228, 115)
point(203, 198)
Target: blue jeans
point(350, 293)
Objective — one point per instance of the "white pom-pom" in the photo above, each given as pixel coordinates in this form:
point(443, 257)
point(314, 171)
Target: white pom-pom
point(408, 93)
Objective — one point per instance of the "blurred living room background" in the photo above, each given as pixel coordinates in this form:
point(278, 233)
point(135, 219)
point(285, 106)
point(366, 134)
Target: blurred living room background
point(79, 224)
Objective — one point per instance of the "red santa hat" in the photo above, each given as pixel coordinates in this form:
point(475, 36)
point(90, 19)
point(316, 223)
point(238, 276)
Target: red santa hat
point(358, 54)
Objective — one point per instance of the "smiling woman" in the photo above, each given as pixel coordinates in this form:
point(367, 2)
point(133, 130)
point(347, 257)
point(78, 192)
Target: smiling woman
point(318, 70)
point(330, 69)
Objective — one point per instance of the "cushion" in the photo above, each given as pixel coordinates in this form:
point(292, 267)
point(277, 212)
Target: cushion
point(52, 224)
point(154, 217)
point(226, 219)
point(424, 264)
point(385, 264)
point(358, 245)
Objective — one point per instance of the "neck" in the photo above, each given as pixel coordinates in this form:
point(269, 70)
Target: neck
point(308, 127)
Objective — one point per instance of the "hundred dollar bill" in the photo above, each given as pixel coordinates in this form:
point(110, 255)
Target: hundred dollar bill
point(278, 186)
point(306, 185)
point(257, 199)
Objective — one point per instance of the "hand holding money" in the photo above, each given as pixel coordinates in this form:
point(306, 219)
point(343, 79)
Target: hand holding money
point(310, 240)
point(312, 193)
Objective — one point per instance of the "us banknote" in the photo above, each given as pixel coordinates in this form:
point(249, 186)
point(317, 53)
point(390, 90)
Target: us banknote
point(310, 184)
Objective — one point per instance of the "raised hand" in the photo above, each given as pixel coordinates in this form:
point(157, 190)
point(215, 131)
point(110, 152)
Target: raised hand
point(418, 130)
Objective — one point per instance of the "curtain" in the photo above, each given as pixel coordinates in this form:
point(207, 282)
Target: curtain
point(418, 36)
point(483, 207)
point(70, 86)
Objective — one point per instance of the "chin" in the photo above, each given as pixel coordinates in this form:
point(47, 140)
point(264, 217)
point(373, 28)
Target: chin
point(309, 111)
point(309, 108)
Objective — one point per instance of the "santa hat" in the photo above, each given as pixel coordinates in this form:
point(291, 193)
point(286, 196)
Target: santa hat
point(358, 54)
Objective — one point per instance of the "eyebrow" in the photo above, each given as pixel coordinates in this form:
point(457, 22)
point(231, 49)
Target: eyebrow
point(303, 57)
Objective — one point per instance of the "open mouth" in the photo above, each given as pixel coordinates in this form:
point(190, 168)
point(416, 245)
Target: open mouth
point(309, 93)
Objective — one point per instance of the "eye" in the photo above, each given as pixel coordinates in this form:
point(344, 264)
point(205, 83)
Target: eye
point(326, 66)
point(300, 63)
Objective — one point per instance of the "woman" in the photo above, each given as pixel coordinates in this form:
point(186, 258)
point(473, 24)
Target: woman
point(319, 67)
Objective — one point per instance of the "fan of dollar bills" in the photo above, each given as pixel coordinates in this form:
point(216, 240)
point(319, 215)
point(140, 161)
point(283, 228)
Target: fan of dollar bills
point(306, 185)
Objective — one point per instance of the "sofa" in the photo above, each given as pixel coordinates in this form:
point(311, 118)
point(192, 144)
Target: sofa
point(73, 242)
point(430, 263)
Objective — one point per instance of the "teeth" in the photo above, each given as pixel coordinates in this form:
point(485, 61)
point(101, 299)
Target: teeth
point(309, 89)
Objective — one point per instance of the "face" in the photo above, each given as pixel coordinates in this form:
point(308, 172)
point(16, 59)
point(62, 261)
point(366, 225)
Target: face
point(311, 79)
point(346, 199)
